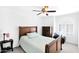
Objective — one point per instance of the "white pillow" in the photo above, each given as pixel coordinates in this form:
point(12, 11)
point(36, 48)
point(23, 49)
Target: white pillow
point(24, 37)
point(32, 35)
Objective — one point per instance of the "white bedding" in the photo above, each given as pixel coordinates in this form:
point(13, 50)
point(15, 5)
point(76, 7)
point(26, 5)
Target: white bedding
point(34, 44)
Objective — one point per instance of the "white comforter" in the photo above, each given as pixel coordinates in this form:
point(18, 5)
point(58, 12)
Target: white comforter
point(35, 44)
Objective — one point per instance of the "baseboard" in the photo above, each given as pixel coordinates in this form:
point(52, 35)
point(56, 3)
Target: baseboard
point(72, 43)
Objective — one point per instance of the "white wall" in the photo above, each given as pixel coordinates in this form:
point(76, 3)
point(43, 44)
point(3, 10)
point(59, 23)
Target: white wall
point(69, 19)
point(13, 17)
point(47, 20)
point(78, 28)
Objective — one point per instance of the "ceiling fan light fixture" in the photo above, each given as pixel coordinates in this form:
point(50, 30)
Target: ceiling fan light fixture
point(44, 10)
point(46, 14)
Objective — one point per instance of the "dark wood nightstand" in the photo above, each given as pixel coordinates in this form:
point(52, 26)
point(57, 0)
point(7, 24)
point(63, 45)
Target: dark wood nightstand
point(5, 49)
point(63, 39)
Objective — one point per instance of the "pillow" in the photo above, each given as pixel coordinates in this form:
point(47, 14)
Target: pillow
point(32, 35)
point(24, 37)
point(55, 35)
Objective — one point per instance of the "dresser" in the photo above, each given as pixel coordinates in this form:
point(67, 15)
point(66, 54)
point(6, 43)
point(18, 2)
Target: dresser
point(47, 31)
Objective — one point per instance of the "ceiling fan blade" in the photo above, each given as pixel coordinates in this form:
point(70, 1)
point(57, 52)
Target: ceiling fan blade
point(51, 11)
point(38, 13)
point(37, 10)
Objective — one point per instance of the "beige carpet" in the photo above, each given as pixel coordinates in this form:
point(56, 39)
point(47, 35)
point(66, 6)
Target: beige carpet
point(70, 48)
point(16, 50)
point(67, 48)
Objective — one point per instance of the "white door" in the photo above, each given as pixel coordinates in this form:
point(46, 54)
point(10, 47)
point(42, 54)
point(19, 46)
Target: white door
point(70, 31)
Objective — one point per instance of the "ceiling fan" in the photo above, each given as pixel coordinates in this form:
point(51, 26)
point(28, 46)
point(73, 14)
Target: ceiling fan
point(44, 10)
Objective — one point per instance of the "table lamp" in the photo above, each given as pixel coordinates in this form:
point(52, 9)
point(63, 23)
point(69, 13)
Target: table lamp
point(5, 35)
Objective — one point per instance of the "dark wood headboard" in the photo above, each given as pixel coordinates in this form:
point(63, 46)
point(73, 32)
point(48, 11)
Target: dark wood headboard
point(23, 30)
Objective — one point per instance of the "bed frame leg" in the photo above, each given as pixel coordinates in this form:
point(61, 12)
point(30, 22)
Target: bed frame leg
point(46, 48)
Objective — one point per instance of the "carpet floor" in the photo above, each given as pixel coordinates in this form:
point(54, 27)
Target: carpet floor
point(67, 48)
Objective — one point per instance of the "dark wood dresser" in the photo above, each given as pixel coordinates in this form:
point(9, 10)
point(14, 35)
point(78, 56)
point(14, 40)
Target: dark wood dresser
point(47, 31)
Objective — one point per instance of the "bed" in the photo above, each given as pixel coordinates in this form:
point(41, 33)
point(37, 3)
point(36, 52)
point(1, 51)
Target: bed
point(37, 43)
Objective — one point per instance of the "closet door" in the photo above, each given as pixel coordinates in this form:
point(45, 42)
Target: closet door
point(69, 30)
point(69, 33)
point(62, 29)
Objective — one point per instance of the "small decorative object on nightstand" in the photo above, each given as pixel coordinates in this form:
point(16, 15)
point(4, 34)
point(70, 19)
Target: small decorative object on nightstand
point(5, 49)
point(5, 35)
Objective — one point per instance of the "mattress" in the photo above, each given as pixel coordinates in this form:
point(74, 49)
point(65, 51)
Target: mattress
point(34, 44)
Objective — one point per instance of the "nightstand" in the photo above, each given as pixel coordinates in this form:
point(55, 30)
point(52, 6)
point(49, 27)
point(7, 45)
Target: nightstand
point(5, 49)
point(63, 39)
